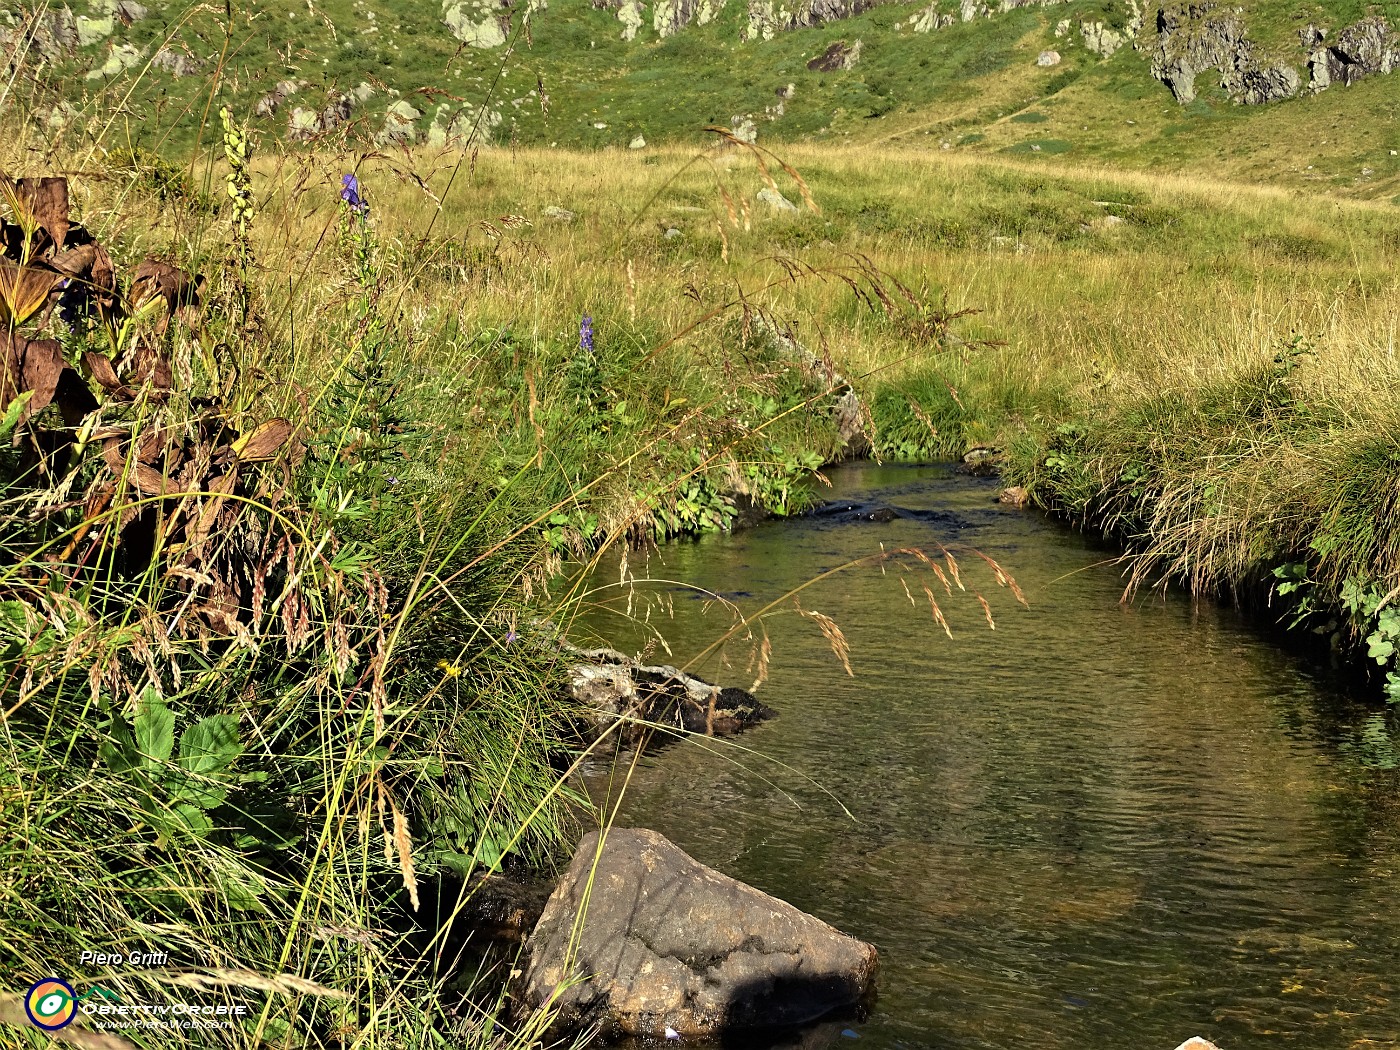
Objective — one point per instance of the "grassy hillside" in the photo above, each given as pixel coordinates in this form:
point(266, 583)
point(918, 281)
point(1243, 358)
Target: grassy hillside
point(567, 77)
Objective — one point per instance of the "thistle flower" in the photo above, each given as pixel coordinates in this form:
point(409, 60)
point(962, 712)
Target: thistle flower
point(350, 194)
point(585, 334)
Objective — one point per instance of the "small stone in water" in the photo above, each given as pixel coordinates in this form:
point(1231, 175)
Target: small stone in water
point(671, 1033)
point(850, 1033)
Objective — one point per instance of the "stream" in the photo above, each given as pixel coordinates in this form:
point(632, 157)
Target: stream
point(1100, 825)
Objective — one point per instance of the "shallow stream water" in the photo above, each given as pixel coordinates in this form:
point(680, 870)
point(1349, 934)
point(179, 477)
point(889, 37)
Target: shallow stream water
point(1100, 825)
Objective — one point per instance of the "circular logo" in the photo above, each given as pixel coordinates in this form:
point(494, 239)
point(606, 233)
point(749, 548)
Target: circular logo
point(51, 1004)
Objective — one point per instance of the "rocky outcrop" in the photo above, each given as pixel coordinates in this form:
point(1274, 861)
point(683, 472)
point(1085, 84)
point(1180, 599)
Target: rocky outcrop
point(930, 19)
point(765, 20)
point(1364, 49)
point(458, 127)
point(477, 23)
point(270, 103)
point(642, 941)
point(1193, 37)
point(305, 124)
point(616, 688)
point(817, 12)
point(50, 34)
point(1253, 83)
point(177, 63)
point(119, 59)
point(669, 17)
point(400, 125)
point(839, 55)
point(1103, 40)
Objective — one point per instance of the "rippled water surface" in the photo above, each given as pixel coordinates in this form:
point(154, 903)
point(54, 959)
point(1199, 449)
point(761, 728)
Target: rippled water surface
point(1101, 825)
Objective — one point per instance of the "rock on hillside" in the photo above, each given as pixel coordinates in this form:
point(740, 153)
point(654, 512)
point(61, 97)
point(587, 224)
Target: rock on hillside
point(1195, 37)
point(1364, 49)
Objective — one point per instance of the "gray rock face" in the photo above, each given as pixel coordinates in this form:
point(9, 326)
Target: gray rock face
point(816, 12)
point(272, 101)
point(669, 17)
point(1363, 49)
point(177, 63)
point(483, 24)
point(399, 125)
point(304, 124)
point(1252, 83)
point(666, 942)
point(1194, 37)
point(1102, 40)
point(930, 19)
point(53, 34)
point(1048, 58)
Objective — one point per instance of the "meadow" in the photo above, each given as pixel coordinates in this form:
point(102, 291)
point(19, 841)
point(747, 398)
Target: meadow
point(280, 616)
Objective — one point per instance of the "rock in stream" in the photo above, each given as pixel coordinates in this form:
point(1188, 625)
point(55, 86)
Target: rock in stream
point(667, 943)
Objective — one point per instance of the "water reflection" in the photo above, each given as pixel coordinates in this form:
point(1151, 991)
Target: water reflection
point(1100, 824)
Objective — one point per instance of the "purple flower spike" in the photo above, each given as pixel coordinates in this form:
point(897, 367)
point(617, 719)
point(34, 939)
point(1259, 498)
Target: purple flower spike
point(350, 194)
point(585, 334)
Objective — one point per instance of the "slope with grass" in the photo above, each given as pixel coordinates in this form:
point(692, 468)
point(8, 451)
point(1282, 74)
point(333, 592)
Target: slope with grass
point(567, 75)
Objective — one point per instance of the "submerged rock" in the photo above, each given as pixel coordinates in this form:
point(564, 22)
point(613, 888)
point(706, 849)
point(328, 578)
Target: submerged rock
point(1197, 1043)
point(639, 939)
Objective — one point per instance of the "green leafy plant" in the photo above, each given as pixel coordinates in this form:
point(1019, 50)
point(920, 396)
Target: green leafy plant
point(178, 791)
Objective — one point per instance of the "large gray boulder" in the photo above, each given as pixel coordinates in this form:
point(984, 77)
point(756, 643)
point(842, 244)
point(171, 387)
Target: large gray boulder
point(667, 943)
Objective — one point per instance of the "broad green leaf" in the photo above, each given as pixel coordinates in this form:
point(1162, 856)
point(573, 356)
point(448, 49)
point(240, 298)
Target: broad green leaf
point(191, 820)
point(207, 749)
point(119, 751)
point(155, 730)
point(210, 745)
